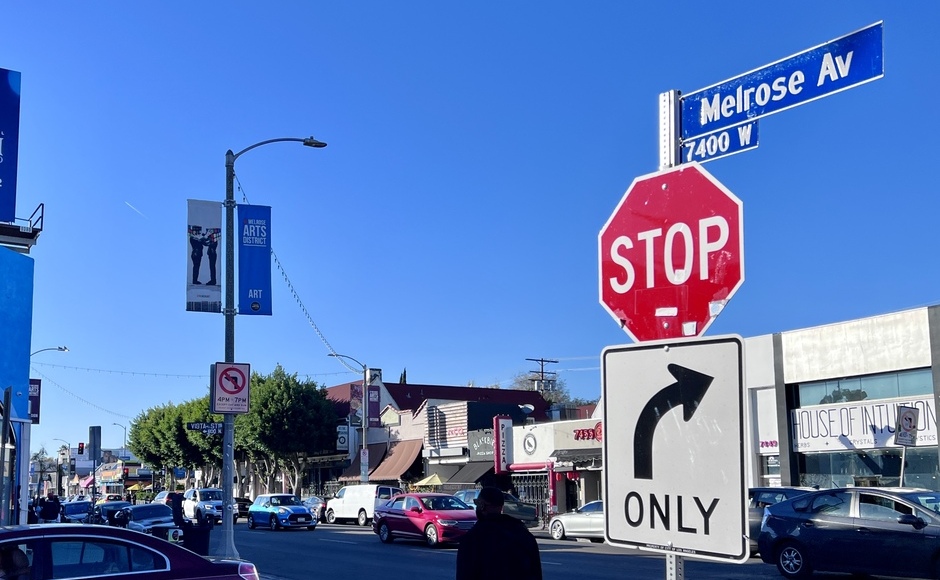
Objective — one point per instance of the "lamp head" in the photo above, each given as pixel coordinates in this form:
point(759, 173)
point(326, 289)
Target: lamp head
point(62, 348)
point(311, 142)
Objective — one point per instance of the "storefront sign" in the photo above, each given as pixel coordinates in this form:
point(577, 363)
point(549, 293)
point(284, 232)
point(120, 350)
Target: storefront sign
point(859, 424)
point(480, 444)
point(502, 428)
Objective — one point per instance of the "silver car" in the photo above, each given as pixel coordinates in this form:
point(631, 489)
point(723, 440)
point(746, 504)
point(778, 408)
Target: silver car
point(585, 522)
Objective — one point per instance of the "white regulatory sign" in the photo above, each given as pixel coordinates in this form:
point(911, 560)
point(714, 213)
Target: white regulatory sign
point(230, 387)
point(674, 447)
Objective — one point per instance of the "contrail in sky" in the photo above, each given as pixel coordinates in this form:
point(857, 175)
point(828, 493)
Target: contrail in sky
point(135, 209)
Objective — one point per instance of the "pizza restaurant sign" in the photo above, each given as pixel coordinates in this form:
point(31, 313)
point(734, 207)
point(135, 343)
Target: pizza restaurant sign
point(859, 424)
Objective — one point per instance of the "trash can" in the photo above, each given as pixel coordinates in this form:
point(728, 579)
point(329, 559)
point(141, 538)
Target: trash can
point(196, 536)
point(169, 532)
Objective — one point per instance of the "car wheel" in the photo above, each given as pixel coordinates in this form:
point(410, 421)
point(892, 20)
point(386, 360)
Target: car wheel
point(330, 517)
point(430, 536)
point(385, 534)
point(557, 530)
point(251, 522)
point(272, 523)
point(791, 561)
point(363, 518)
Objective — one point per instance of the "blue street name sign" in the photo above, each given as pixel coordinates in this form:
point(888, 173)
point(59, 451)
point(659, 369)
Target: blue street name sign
point(721, 143)
point(835, 66)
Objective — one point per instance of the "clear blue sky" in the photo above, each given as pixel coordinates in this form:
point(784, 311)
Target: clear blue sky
point(450, 227)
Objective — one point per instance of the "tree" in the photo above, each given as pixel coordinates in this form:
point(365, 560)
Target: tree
point(528, 382)
point(290, 419)
point(403, 379)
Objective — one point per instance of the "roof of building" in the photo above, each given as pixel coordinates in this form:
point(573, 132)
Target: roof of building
point(410, 397)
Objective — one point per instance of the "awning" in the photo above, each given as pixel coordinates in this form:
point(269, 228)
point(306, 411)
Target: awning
point(376, 454)
point(87, 481)
point(431, 480)
point(401, 455)
point(472, 472)
point(578, 457)
point(135, 487)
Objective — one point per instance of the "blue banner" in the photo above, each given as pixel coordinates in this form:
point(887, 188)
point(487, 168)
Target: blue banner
point(9, 141)
point(254, 259)
point(829, 68)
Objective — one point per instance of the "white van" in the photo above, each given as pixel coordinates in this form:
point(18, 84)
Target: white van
point(357, 502)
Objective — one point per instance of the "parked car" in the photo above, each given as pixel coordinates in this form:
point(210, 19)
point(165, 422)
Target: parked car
point(317, 507)
point(437, 518)
point(76, 512)
point(144, 516)
point(102, 512)
point(241, 508)
point(358, 502)
point(75, 551)
point(585, 522)
point(203, 503)
point(512, 506)
point(858, 530)
point(762, 497)
point(109, 497)
point(280, 510)
point(161, 497)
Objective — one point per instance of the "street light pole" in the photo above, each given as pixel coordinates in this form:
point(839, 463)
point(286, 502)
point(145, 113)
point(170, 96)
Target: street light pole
point(58, 348)
point(364, 453)
point(228, 425)
point(68, 471)
point(124, 448)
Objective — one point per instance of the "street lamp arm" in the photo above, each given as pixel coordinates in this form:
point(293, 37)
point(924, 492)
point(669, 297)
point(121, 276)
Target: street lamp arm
point(58, 348)
point(342, 356)
point(308, 142)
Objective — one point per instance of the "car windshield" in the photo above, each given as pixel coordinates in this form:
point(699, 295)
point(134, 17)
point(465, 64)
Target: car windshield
point(443, 502)
point(76, 507)
point(211, 495)
point(156, 510)
point(927, 499)
point(284, 500)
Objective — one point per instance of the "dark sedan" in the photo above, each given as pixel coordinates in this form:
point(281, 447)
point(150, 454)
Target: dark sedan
point(762, 497)
point(859, 530)
point(241, 508)
point(512, 506)
point(75, 512)
point(77, 551)
point(103, 512)
point(143, 517)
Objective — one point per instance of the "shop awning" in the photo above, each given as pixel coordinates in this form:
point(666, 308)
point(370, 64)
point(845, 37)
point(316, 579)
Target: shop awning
point(376, 454)
point(401, 455)
point(472, 472)
point(87, 481)
point(578, 457)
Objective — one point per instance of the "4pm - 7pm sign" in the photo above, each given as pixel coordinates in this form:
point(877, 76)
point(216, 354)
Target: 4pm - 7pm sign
point(835, 66)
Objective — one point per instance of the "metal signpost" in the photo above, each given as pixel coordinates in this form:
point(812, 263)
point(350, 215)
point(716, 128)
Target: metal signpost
point(674, 447)
point(674, 479)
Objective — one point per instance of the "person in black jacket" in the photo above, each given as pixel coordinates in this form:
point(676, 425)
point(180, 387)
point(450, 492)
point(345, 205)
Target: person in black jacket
point(49, 508)
point(498, 546)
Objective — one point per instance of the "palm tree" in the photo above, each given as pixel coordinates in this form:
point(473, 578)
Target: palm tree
point(41, 458)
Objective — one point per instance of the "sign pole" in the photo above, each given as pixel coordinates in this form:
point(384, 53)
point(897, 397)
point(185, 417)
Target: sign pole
point(669, 131)
point(228, 430)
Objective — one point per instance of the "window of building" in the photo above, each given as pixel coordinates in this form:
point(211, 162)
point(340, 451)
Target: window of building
point(881, 386)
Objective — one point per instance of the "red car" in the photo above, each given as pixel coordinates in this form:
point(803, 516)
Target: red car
point(437, 518)
point(77, 550)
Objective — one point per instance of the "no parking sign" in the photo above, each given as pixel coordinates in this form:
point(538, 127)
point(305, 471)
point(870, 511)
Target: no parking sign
point(906, 432)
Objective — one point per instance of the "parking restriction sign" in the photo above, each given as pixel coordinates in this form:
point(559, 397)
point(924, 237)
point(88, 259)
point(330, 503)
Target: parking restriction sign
point(230, 387)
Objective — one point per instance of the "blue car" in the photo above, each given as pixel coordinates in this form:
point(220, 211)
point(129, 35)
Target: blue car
point(280, 510)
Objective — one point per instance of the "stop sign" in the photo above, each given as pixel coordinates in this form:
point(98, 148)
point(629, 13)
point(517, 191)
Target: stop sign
point(671, 254)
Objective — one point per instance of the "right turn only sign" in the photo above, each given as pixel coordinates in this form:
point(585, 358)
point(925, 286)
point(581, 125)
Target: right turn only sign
point(674, 447)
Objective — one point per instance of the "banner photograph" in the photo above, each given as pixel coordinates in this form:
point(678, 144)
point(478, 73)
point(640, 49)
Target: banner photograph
point(254, 259)
point(204, 232)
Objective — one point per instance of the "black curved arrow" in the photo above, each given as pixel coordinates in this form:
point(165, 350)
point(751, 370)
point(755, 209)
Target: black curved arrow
point(688, 391)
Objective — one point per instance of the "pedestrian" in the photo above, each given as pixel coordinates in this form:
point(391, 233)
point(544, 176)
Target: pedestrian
point(498, 547)
point(49, 507)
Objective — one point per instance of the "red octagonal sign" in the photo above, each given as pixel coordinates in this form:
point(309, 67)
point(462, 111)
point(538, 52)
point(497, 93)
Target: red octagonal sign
point(671, 254)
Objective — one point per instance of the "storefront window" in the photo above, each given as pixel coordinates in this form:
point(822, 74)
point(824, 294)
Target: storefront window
point(848, 468)
point(880, 386)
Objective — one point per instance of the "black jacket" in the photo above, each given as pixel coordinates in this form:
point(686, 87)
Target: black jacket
point(496, 548)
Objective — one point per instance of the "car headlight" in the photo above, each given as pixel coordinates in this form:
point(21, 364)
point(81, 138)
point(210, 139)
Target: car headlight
point(283, 511)
point(447, 522)
point(210, 508)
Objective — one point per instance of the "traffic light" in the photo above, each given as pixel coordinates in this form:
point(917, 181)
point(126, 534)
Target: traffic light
point(81, 448)
point(125, 473)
